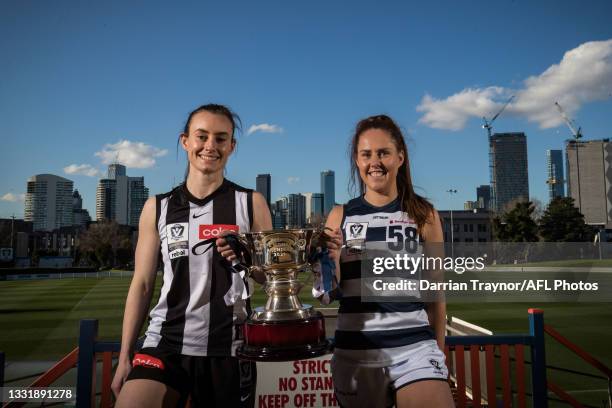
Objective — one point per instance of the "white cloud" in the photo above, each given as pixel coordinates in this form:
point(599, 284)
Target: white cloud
point(293, 180)
point(453, 112)
point(583, 75)
point(82, 170)
point(264, 128)
point(13, 198)
point(131, 154)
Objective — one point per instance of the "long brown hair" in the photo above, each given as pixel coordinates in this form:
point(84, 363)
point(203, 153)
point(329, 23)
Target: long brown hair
point(415, 205)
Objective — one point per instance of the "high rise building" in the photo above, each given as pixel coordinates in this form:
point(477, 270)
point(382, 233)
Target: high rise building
point(115, 170)
point(48, 202)
point(279, 213)
point(314, 207)
point(296, 211)
point(106, 198)
point(122, 198)
point(555, 181)
point(80, 216)
point(589, 179)
point(508, 166)
point(328, 189)
point(483, 196)
point(263, 184)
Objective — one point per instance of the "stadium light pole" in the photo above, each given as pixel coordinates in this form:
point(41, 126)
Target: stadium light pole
point(452, 227)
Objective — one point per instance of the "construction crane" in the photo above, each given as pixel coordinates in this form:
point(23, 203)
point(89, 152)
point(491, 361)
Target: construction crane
point(577, 133)
point(488, 123)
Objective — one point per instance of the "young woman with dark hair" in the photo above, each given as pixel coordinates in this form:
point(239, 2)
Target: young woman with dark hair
point(385, 352)
point(195, 327)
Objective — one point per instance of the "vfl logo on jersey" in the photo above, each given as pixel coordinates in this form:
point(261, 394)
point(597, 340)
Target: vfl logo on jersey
point(215, 230)
point(178, 239)
point(356, 230)
point(177, 232)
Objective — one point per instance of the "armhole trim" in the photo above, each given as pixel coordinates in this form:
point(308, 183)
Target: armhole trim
point(158, 199)
point(343, 206)
point(250, 208)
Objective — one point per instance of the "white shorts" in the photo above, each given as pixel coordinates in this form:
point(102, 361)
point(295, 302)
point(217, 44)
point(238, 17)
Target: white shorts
point(357, 385)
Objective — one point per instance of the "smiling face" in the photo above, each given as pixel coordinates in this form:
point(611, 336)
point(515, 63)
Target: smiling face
point(378, 160)
point(209, 143)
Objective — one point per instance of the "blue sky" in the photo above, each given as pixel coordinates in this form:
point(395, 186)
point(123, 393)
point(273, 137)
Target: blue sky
point(80, 83)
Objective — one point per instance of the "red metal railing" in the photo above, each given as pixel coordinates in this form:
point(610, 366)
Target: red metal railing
point(585, 356)
point(469, 391)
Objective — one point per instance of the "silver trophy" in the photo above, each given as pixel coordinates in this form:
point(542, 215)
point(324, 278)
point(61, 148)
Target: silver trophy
point(285, 328)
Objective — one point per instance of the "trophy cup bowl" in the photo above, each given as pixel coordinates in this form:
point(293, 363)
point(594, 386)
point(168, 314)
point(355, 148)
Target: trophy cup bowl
point(284, 329)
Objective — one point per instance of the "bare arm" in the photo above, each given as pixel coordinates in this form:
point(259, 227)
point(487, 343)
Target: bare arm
point(141, 290)
point(436, 311)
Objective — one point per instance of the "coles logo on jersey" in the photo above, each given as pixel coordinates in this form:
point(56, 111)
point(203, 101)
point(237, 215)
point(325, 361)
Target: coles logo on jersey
point(215, 230)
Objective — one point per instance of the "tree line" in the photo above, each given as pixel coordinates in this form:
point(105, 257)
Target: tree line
point(560, 222)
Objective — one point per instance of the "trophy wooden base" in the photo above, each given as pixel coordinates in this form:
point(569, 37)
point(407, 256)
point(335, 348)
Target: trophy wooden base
point(284, 340)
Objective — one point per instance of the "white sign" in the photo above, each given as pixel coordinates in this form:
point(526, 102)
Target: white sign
point(300, 383)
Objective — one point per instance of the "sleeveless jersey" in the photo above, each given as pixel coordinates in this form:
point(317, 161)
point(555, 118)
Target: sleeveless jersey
point(193, 315)
point(375, 333)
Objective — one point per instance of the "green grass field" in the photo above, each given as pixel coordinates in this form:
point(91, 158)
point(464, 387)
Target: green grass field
point(39, 321)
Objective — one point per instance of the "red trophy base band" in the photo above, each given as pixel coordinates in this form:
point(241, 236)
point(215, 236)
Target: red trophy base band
point(284, 340)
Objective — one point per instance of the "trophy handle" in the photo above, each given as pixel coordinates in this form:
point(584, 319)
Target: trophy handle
point(239, 245)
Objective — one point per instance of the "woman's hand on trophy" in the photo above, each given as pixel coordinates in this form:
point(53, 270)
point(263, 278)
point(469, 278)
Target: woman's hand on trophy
point(224, 248)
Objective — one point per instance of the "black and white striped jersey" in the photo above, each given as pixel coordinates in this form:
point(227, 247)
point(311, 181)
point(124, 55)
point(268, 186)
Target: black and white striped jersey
point(194, 315)
point(375, 333)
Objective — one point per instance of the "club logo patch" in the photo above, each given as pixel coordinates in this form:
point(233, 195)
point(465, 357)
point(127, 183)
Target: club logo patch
point(177, 232)
point(356, 230)
point(177, 236)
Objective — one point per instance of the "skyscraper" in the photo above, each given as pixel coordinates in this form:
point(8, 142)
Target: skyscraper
point(80, 216)
point(279, 213)
point(555, 181)
point(122, 198)
point(263, 184)
point(115, 170)
point(314, 207)
point(483, 196)
point(48, 202)
point(106, 198)
point(589, 179)
point(296, 211)
point(508, 166)
point(328, 189)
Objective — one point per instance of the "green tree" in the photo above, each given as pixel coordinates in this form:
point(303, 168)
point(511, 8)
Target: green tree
point(563, 222)
point(517, 225)
point(103, 241)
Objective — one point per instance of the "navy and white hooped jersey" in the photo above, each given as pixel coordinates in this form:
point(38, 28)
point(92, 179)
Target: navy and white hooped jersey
point(375, 333)
point(193, 315)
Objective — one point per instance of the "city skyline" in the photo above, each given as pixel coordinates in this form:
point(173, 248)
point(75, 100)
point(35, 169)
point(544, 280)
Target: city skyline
point(107, 92)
